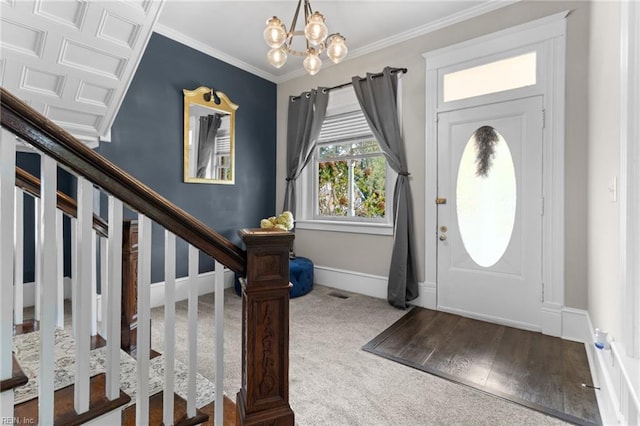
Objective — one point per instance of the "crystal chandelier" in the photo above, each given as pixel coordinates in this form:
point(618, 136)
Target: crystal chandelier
point(317, 40)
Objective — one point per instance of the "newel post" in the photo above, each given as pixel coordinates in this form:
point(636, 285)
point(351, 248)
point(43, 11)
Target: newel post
point(264, 394)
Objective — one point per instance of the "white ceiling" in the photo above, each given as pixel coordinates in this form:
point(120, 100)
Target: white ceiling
point(232, 30)
point(73, 60)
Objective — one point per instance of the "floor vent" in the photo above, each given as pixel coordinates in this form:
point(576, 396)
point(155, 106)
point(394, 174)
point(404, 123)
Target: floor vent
point(339, 295)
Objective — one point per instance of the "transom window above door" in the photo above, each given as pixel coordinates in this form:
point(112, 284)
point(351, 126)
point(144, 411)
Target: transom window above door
point(513, 72)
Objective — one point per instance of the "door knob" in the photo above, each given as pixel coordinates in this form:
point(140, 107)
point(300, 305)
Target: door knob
point(443, 237)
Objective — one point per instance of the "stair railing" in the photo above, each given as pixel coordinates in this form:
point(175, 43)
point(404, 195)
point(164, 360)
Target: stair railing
point(263, 396)
point(29, 186)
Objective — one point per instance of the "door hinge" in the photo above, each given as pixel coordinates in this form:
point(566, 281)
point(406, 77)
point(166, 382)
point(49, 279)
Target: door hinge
point(541, 206)
point(544, 118)
point(542, 292)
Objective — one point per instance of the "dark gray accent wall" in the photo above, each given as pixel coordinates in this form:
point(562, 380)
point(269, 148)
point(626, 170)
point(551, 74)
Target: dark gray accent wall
point(147, 141)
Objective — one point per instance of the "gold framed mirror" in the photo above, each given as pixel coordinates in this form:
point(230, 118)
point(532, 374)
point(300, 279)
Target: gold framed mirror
point(209, 137)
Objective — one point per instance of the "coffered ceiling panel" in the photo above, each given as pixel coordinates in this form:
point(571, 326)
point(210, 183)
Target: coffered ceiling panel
point(72, 60)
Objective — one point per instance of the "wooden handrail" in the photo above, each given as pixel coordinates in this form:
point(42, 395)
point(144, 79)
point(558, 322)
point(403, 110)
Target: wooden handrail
point(31, 184)
point(46, 136)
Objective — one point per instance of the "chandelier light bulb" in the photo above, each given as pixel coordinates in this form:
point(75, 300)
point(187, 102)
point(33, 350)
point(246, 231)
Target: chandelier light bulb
point(277, 57)
point(275, 33)
point(315, 31)
point(312, 63)
point(280, 39)
point(337, 49)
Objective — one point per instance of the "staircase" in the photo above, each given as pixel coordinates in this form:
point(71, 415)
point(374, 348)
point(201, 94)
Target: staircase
point(101, 398)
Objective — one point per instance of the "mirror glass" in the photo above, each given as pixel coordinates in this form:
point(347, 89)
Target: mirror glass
point(209, 137)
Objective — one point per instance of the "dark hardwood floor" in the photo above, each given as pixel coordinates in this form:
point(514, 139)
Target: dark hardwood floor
point(544, 373)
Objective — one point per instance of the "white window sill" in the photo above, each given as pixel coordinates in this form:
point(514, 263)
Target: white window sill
point(351, 227)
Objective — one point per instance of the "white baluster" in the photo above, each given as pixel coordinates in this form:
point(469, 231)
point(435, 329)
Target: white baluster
point(38, 254)
point(82, 302)
point(104, 289)
point(192, 332)
point(144, 332)
point(169, 324)
point(114, 295)
point(60, 276)
point(75, 272)
point(48, 292)
point(7, 199)
point(18, 264)
point(219, 330)
point(94, 282)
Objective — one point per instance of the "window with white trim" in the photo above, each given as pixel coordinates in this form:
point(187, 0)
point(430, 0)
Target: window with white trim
point(345, 186)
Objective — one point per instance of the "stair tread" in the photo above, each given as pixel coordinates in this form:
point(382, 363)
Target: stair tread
point(64, 404)
point(156, 414)
point(18, 378)
point(229, 413)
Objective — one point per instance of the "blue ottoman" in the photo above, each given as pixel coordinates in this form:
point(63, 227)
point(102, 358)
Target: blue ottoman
point(300, 276)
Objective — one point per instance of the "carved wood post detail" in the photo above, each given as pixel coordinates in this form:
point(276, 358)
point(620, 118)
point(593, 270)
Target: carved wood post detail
point(129, 316)
point(264, 396)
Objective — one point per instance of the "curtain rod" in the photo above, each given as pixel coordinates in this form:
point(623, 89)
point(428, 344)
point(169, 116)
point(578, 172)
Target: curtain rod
point(340, 86)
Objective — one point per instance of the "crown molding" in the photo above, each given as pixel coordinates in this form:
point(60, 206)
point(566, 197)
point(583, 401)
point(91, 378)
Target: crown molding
point(430, 27)
point(215, 53)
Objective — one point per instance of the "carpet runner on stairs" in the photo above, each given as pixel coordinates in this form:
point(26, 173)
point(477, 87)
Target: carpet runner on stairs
point(26, 348)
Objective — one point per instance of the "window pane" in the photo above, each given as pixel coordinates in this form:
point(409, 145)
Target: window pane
point(333, 188)
point(486, 201)
point(369, 195)
point(506, 74)
point(352, 188)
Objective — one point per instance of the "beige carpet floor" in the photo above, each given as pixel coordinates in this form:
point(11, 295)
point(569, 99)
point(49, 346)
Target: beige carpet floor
point(334, 382)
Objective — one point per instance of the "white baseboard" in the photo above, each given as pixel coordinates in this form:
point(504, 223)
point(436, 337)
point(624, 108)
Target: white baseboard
point(600, 363)
point(427, 296)
point(551, 319)
point(29, 292)
point(612, 371)
point(354, 282)
point(575, 325)
point(206, 284)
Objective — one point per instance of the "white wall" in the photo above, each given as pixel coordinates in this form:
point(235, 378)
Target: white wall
point(604, 166)
point(371, 254)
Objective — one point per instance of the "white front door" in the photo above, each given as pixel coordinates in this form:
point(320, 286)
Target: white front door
point(490, 211)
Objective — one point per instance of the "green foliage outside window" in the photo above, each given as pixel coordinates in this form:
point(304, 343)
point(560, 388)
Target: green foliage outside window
point(360, 195)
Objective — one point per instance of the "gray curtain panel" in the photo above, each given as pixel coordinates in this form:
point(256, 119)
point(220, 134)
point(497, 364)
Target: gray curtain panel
point(378, 100)
point(209, 125)
point(306, 114)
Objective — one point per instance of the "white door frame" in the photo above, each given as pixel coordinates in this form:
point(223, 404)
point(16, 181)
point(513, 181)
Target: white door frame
point(547, 37)
point(630, 176)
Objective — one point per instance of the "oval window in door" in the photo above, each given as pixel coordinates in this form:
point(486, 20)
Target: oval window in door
point(486, 196)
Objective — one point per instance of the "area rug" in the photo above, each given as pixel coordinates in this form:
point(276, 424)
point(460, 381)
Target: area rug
point(26, 348)
point(544, 373)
